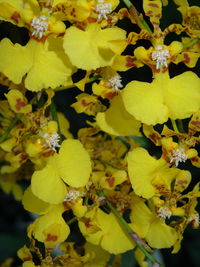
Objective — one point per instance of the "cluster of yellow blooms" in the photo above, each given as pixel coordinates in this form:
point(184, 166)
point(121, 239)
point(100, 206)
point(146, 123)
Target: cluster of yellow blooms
point(103, 173)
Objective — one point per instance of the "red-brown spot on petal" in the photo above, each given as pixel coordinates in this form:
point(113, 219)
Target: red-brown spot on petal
point(129, 61)
point(153, 5)
point(87, 223)
point(19, 104)
point(51, 238)
point(186, 58)
point(27, 259)
point(15, 16)
point(111, 181)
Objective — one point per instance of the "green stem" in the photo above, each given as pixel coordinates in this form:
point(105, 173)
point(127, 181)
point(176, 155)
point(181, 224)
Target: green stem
point(11, 125)
point(191, 43)
point(140, 243)
point(13, 122)
point(72, 220)
point(140, 21)
point(175, 128)
point(54, 116)
point(180, 126)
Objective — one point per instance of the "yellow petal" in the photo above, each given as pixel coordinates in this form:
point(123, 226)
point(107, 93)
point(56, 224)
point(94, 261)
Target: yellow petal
point(47, 68)
point(117, 121)
point(51, 227)
point(161, 235)
point(74, 164)
point(146, 173)
point(18, 102)
point(98, 47)
point(144, 101)
point(15, 60)
point(34, 204)
point(140, 217)
point(47, 185)
point(182, 95)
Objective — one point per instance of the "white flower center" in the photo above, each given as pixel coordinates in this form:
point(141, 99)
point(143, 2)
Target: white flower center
point(103, 9)
point(178, 155)
point(40, 26)
point(115, 82)
point(161, 56)
point(164, 212)
point(52, 140)
point(72, 195)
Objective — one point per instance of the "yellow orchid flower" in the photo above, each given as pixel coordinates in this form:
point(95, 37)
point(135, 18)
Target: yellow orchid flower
point(45, 65)
point(150, 177)
point(48, 183)
point(98, 46)
point(163, 98)
point(150, 227)
point(117, 121)
point(191, 21)
point(108, 234)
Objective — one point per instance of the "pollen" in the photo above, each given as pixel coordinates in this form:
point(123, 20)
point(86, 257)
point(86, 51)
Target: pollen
point(178, 155)
point(161, 56)
point(72, 195)
point(40, 26)
point(164, 212)
point(102, 9)
point(115, 82)
point(52, 140)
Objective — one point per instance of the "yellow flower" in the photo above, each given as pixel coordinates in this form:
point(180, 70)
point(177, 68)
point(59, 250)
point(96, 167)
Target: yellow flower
point(163, 98)
point(18, 102)
point(108, 232)
point(44, 64)
point(48, 183)
point(117, 121)
point(150, 227)
point(148, 176)
point(93, 47)
point(191, 19)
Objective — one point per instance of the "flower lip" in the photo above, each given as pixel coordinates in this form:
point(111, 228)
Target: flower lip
point(40, 26)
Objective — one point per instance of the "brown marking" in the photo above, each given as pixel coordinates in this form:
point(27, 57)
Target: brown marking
point(129, 62)
point(186, 58)
point(87, 223)
point(154, 137)
point(196, 123)
point(19, 104)
point(182, 182)
point(111, 181)
point(15, 16)
point(158, 16)
point(27, 259)
point(153, 5)
point(51, 238)
point(149, 13)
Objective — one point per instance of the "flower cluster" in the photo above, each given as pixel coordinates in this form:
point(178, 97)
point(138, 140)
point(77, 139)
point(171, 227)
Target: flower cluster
point(120, 194)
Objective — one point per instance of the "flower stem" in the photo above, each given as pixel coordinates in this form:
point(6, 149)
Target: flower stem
point(140, 243)
point(191, 43)
point(175, 128)
point(10, 126)
point(54, 116)
point(138, 19)
point(180, 126)
point(13, 122)
point(72, 220)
